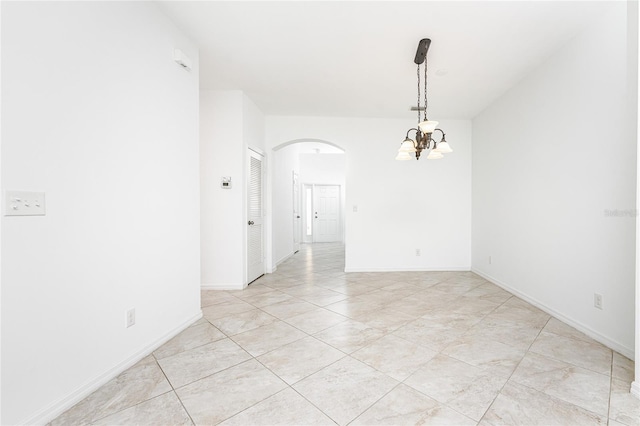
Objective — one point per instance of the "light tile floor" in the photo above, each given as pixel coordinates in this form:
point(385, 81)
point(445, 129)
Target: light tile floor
point(310, 344)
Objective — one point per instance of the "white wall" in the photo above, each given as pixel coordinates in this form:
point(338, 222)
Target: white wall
point(550, 159)
point(222, 210)
point(323, 168)
point(95, 113)
point(285, 161)
point(401, 205)
point(229, 124)
point(633, 35)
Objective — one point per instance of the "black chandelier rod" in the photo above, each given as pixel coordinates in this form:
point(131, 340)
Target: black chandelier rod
point(423, 48)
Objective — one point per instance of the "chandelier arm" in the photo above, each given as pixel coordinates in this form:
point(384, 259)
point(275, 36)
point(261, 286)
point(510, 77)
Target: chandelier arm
point(411, 130)
point(443, 135)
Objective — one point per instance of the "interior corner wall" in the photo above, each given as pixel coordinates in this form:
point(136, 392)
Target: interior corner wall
point(402, 205)
point(554, 166)
point(285, 162)
point(106, 124)
point(633, 35)
point(252, 125)
point(222, 153)
point(229, 124)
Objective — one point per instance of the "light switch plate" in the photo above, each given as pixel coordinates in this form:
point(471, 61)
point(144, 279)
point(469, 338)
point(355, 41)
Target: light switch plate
point(23, 203)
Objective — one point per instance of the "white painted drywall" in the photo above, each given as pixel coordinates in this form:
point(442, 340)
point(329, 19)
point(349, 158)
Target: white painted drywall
point(285, 161)
point(633, 36)
point(323, 168)
point(229, 124)
point(401, 205)
point(554, 166)
point(253, 125)
point(95, 113)
point(222, 210)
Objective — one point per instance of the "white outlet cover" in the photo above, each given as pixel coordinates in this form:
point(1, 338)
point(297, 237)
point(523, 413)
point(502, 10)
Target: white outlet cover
point(131, 317)
point(24, 203)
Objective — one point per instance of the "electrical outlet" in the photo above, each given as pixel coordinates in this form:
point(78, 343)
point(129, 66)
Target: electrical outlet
point(597, 300)
point(131, 317)
point(417, 252)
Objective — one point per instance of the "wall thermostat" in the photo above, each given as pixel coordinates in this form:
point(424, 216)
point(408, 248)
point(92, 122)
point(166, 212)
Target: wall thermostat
point(226, 182)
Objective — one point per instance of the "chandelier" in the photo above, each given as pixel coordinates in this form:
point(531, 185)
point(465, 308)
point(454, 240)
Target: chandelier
point(424, 133)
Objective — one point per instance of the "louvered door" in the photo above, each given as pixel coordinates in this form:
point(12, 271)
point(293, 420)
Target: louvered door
point(255, 240)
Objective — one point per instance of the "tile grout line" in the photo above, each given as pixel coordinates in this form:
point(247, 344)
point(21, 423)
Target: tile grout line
point(290, 386)
point(610, 391)
point(516, 367)
point(173, 389)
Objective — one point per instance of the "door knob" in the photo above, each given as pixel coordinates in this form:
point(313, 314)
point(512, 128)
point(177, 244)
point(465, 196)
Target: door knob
point(250, 222)
point(297, 217)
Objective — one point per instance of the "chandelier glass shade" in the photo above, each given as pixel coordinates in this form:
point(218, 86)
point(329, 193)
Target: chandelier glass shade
point(424, 132)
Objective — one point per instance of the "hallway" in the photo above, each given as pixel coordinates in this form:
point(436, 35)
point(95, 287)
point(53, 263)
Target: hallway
point(310, 344)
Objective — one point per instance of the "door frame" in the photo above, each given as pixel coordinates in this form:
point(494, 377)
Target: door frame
point(297, 213)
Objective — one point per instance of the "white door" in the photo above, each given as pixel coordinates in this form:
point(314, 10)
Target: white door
point(255, 240)
point(326, 205)
point(297, 220)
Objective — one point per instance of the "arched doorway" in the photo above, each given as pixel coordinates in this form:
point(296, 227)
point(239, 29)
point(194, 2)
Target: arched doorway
point(308, 186)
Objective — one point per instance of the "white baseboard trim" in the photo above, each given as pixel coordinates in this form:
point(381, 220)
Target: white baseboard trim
point(275, 267)
point(635, 389)
point(221, 286)
point(58, 407)
point(610, 343)
point(419, 269)
point(286, 257)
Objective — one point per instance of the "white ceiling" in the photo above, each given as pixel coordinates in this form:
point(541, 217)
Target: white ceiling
point(355, 58)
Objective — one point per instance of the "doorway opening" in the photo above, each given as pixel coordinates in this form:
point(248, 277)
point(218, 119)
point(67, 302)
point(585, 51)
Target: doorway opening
point(308, 196)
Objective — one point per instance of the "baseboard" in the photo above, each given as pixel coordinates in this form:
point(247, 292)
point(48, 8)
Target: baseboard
point(419, 269)
point(58, 407)
point(222, 286)
point(285, 258)
point(612, 344)
point(635, 389)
